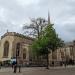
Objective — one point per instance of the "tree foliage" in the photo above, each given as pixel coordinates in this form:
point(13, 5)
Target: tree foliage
point(49, 41)
point(46, 37)
point(36, 26)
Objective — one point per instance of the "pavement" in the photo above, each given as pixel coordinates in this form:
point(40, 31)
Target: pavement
point(69, 70)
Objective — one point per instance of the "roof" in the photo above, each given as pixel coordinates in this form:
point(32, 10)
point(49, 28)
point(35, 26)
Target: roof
point(69, 44)
point(16, 34)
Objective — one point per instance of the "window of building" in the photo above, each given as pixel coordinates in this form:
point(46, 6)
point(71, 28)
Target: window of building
point(24, 53)
point(6, 49)
point(18, 49)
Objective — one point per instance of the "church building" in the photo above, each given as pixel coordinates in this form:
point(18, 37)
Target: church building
point(14, 45)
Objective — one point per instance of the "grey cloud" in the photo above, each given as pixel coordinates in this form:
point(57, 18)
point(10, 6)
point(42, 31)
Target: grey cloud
point(70, 28)
point(62, 13)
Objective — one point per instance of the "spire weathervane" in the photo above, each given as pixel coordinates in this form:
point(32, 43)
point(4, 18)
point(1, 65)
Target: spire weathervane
point(48, 18)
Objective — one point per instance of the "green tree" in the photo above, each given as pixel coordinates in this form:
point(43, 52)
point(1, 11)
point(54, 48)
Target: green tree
point(49, 41)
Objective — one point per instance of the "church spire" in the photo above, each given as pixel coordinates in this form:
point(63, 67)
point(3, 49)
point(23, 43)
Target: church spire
point(48, 18)
point(7, 30)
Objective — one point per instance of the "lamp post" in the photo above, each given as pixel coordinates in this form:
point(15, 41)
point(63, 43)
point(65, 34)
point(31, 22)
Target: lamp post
point(15, 64)
point(17, 54)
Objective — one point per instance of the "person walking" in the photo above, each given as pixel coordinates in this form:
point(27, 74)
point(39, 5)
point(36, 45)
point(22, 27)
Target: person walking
point(0, 65)
point(15, 66)
point(19, 66)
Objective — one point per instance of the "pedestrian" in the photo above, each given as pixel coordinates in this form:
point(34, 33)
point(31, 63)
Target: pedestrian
point(12, 65)
point(15, 68)
point(19, 66)
point(0, 65)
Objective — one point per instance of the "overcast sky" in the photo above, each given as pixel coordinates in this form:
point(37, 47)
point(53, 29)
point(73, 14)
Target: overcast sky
point(14, 13)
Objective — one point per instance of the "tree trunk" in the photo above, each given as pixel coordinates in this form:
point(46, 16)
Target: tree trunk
point(47, 67)
point(52, 58)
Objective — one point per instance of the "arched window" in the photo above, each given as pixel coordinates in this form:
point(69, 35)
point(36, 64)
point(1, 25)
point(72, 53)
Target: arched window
point(18, 49)
point(24, 53)
point(6, 49)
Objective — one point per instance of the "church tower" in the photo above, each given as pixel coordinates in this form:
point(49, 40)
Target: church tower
point(48, 18)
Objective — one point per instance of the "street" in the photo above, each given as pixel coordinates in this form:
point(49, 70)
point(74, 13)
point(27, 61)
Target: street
point(39, 71)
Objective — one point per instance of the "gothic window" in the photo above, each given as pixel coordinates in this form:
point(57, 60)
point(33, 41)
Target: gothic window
point(6, 49)
point(24, 53)
point(18, 49)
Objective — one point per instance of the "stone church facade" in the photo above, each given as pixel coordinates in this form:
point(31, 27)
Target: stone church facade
point(13, 44)
point(63, 54)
